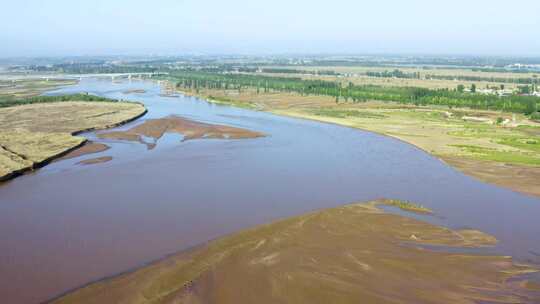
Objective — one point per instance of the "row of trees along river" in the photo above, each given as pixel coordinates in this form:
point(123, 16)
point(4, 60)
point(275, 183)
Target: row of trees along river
point(417, 75)
point(195, 80)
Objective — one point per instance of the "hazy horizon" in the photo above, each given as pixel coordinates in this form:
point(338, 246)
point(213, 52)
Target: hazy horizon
point(167, 27)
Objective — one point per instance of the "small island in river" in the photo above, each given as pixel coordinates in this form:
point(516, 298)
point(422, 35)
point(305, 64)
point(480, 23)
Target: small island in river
point(89, 147)
point(190, 129)
point(134, 91)
point(97, 160)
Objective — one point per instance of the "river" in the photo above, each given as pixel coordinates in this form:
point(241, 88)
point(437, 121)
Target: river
point(67, 224)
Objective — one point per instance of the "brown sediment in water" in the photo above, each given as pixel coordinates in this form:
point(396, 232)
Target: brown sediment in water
point(351, 254)
point(134, 91)
point(89, 147)
point(190, 129)
point(169, 95)
point(532, 285)
point(93, 161)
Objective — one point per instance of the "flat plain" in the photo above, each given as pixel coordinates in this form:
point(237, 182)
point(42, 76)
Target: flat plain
point(33, 135)
point(449, 78)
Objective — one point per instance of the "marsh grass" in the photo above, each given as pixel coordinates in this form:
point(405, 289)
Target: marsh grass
point(10, 101)
point(231, 102)
point(338, 113)
point(527, 143)
point(407, 206)
point(508, 157)
point(24, 88)
point(530, 130)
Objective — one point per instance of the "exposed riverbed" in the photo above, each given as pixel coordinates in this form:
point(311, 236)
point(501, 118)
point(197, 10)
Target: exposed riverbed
point(68, 224)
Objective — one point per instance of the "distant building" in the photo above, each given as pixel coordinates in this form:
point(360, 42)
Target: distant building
point(485, 91)
point(477, 119)
point(505, 92)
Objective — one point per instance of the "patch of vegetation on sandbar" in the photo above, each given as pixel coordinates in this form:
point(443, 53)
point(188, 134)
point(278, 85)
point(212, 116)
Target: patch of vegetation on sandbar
point(407, 206)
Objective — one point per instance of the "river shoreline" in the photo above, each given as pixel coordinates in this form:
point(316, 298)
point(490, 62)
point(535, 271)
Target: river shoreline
point(444, 159)
point(299, 167)
point(497, 174)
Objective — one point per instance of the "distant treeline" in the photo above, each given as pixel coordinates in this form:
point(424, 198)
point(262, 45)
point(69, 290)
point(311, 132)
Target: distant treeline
point(488, 64)
point(356, 93)
point(394, 74)
point(531, 80)
point(416, 75)
point(256, 69)
point(8, 101)
point(296, 71)
point(91, 68)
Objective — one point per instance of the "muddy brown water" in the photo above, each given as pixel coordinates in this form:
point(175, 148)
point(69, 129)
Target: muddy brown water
point(66, 224)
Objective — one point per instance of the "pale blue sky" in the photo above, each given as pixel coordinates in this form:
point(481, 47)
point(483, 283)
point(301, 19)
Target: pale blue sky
point(99, 27)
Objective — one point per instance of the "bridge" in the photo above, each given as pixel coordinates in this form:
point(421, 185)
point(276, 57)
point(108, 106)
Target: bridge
point(112, 76)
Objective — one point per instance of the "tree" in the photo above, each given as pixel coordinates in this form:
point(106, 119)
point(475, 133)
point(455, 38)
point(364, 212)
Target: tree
point(195, 80)
point(473, 88)
point(524, 89)
point(460, 88)
point(530, 107)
